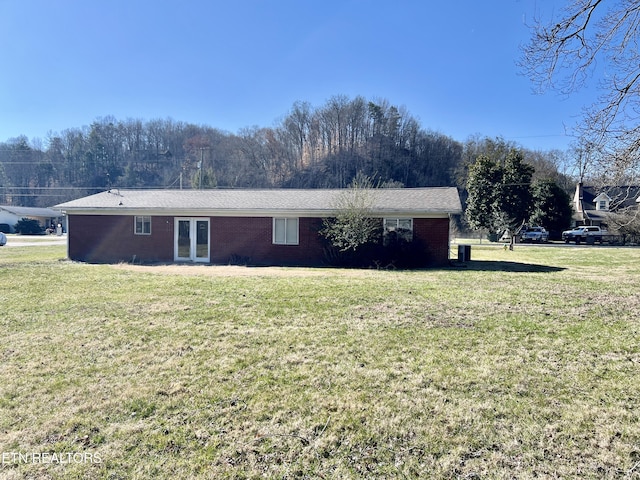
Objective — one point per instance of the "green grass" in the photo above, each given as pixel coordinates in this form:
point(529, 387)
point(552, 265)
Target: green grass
point(522, 364)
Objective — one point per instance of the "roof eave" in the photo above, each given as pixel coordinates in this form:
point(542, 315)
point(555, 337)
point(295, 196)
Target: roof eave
point(207, 212)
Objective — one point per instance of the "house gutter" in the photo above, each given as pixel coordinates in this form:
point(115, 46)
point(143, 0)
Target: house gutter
point(249, 212)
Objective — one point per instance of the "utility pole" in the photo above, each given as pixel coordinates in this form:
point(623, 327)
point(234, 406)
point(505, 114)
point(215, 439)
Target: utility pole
point(201, 162)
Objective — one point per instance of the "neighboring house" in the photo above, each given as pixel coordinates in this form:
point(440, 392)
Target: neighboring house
point(10, 215)
point(594, 206)
point(259, 227)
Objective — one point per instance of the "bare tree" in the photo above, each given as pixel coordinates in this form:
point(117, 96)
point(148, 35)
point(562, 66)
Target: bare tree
point(354, 226)
point(595, 40)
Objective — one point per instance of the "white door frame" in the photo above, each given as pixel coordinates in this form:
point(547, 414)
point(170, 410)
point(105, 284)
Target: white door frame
point(194, 254)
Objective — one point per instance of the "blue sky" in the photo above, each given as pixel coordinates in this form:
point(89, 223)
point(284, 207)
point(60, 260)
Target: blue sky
point(241, 63)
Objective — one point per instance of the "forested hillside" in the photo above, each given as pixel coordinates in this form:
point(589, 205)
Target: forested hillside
point(309, 148)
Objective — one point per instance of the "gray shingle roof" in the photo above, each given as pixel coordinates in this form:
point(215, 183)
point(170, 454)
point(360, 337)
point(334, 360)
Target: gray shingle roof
point(621, 197)
point(241, 202)
point(31, 211)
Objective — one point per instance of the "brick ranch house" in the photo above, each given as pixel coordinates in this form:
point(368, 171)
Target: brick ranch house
point(261, 227)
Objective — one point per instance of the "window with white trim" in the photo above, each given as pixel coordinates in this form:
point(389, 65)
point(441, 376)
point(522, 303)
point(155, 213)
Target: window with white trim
point(398, 228)
point(142, 225)
point(285, 231)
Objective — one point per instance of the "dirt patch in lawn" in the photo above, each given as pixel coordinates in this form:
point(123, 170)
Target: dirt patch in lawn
point(240, 271)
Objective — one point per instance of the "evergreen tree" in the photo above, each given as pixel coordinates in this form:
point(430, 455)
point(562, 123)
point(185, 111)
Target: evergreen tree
point(499, 193)
point(514, 199)
point(485, 176)
point(551, 207)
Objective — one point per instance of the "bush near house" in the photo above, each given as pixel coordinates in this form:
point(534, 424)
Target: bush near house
point(388, 254)
point(28, 226)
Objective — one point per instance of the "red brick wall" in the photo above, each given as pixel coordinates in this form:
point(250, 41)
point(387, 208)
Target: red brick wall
point(110, 239)
point(434, 235)
point(250, 240)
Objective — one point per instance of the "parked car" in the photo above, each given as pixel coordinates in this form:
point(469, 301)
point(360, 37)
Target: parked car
point(534, 234)
point(3, 239)
point(584, 233)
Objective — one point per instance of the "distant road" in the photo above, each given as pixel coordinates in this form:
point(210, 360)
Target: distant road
point(34, 241)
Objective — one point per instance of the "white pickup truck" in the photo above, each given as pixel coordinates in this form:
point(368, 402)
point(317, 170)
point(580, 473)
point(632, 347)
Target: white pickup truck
point(584, 233)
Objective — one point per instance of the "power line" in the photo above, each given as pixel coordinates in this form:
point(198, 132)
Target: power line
point(8, 187)
point(100, 188)
point(35, 163)
point(36, 195)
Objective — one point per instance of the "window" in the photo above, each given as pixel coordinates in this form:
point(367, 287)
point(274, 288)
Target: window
point(142, 225)
point(602, 201)
point(398, 228)
point(285, 231)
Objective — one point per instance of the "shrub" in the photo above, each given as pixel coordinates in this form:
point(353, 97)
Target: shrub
point(28, 226)
point(394, 253)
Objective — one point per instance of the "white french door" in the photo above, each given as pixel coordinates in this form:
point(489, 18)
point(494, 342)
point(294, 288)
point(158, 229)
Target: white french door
point(191, 239)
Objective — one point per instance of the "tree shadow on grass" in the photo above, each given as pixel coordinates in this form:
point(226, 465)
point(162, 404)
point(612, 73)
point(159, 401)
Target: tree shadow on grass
point(499, 266)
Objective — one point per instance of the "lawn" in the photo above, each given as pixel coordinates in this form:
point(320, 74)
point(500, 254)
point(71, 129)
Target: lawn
point(522, 364)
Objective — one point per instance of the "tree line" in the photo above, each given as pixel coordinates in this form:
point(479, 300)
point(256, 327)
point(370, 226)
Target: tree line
point(310, 147)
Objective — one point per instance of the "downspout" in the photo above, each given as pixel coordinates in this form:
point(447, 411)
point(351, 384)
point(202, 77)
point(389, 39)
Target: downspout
point(449, 239)
point(68, 236)
point(579, 203)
